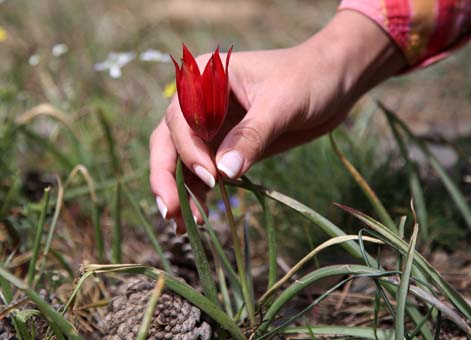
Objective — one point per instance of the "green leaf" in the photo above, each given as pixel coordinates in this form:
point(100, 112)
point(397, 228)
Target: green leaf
point(330, 229)
point(116, 239)
point(451, 187)
point(149, 312)
point(314, 276)
point(271, 234)
point(404, 287)
point(105, 125)
point(365, 187)
point(414, 181)
point(234, 279)
point(37, 239)
point(422, 264)
point(334, 330)
point(52, 229)
point(201, 260)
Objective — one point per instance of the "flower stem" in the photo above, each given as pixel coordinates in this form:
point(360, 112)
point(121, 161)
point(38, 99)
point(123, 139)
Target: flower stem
point(238, 253)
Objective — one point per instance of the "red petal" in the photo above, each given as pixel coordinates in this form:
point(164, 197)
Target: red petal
point(190, 61)
point(214, 86)
point(227, 70)
point(178, 74)
point(191, 96)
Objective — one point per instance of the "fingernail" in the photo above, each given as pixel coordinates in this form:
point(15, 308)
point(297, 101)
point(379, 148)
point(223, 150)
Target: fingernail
point(162, 207)
point(231, 163)
point(173, 225)
point(196, 221)
point(205, 176)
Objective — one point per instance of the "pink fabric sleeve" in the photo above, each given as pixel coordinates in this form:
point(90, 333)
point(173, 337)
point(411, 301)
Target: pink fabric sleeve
point(425, 30)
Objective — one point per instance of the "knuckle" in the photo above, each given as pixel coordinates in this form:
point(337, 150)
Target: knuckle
point(252, 138)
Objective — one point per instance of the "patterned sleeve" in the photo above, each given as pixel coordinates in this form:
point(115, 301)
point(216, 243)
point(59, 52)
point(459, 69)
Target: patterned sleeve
point(425, 30)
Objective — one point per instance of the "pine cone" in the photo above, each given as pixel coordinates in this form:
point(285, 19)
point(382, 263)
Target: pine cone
point(174, 317)
point(36, 322)
point(6, 330)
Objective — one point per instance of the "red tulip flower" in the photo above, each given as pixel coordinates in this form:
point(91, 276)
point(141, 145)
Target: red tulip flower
point(203, 98)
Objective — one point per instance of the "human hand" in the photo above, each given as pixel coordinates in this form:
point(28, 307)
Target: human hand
point(279, 99)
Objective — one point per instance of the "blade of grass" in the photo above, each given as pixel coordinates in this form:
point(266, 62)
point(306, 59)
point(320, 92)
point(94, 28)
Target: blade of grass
point(238, 252)
point(107, 184)
point(414, 181)
point(420, 325)
point(451, 187)
point(230, 272)
point(223, 288)
point(327, 227)
point(308, 257)
point(334, 330)
point(376, 309)
point(422, 264)
point(12, 232)
point(271, 235)
point(61, 259)
point(438, 326)
point(307, 280)
point(176, 285)
point(365, 187)
point(248, 257)
point(149, 312)
point(318, 300)
point(233, 278)
point(309, 329)
point(37, 239)
point(98, 233)
point(116, 239)
point(402, 224)
point(324, 224)
point(447, 310)
point(48, 146)
point(52, 229)
point(226, 300)
point(22, 330)
point(404, 287)
point(201, 260)
point(9, 196)
point(271, 238)
point(48, 110)
point(379, 287)
point(148, 228)
point(106, 127)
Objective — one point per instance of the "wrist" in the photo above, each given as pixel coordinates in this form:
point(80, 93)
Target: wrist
point(359, 55)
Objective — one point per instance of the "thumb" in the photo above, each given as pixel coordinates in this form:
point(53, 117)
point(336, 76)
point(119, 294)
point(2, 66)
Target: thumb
point(246, 142)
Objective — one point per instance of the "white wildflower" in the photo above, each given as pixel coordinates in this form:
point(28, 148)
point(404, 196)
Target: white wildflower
point(34, 60)
point(114, 62)
point(59, 49)
point(155, 55)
